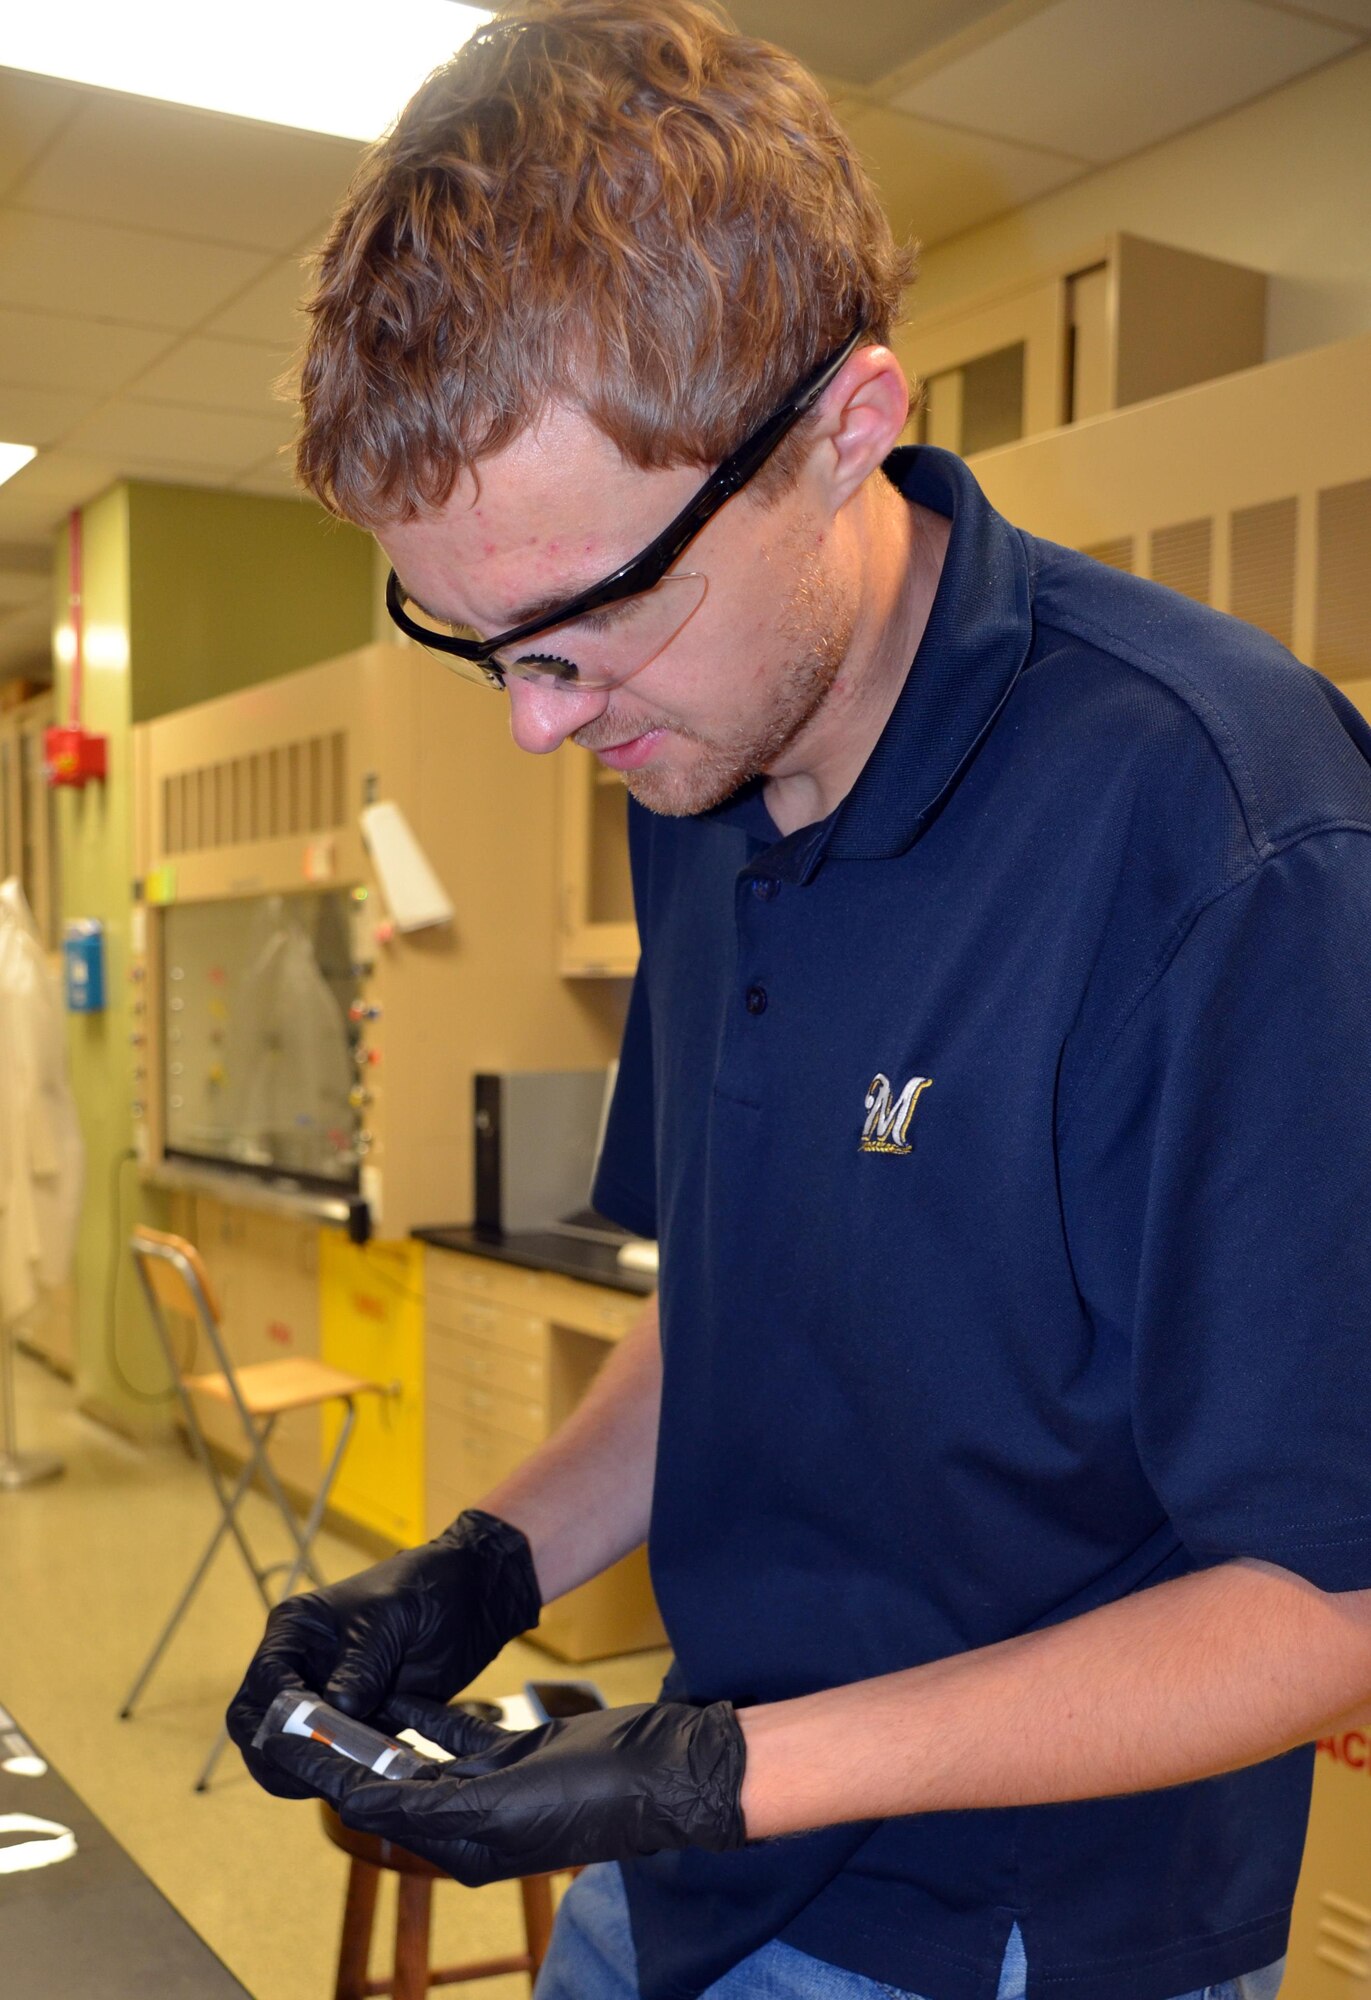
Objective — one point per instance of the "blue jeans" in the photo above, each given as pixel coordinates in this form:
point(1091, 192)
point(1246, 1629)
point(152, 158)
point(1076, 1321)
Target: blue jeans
point(591, 1958)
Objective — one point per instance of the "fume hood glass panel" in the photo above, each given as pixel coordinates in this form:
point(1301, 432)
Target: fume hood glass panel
point(257, 1047)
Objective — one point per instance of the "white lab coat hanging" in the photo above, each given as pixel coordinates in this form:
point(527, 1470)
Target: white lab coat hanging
point(41, 1151)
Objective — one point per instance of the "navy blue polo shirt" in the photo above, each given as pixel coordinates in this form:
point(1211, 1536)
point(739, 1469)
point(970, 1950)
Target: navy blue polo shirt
point(1008, 1138)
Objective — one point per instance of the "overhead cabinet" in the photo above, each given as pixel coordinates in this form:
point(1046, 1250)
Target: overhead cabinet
point(1118, 322)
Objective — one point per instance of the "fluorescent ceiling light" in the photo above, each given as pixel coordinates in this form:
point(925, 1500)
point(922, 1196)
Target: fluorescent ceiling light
point(13, 458)
point(341, 66)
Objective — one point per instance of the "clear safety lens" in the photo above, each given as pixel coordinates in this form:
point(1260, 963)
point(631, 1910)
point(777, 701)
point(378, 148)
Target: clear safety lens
point(597, 651)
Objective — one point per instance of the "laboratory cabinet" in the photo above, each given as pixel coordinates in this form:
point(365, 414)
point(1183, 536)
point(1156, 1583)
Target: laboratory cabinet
point(1118, 322)
point(1251, 494)
point(307, 1029)
point(508, 1355)
point(1330, 1937)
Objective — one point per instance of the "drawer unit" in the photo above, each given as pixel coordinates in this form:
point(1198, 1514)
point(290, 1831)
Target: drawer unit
point(457, 1284)
point(489, 1366)
point(469, 1318)
point(464, 1462)
point(453, 1275)
point(516, 1416)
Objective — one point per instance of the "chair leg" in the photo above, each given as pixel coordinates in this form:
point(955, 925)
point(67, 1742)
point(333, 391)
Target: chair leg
point(537, 1894)
point(226, 1525)
point(216, 1752)
point(412, 1938)
point(359, 1914)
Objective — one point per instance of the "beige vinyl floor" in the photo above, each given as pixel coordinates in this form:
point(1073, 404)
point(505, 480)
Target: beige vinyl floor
point(90, 1565)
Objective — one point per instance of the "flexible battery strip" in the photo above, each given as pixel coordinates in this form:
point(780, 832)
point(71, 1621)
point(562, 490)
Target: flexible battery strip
point(296, 1712)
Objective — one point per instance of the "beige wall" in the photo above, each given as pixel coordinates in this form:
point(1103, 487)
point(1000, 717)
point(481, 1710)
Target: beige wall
point(1283, 184)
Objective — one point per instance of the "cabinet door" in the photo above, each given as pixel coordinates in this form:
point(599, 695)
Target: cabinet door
point(371, 1304)
point(597, 934)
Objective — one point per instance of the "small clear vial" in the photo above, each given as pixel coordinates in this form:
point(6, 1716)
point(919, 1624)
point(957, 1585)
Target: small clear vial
point(296, 1712)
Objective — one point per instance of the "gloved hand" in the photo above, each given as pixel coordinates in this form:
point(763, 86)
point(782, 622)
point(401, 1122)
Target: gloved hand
point(425, 1621)
point(598, 1787)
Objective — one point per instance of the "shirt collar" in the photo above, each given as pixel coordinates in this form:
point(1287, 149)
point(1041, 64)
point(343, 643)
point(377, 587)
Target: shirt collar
point(972, 651)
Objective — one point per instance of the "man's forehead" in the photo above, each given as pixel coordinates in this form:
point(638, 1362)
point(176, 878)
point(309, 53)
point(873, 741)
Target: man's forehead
point(549, 514)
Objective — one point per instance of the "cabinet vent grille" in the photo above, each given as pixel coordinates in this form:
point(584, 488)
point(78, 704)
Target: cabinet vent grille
point(1263, 553)
point(1117, 554)
point(1182, 558)
point(1343, 1938)
point(292, 788)
point(1342, 614)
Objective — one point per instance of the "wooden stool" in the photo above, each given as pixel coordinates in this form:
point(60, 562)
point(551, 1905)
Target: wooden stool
point(413, 1976)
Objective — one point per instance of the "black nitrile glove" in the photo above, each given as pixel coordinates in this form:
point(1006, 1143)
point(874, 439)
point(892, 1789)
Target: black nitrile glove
point(423, 1622)
point(599, 1787)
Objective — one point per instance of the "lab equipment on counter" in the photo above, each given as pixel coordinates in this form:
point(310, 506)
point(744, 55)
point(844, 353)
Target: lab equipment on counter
point(535, 1143)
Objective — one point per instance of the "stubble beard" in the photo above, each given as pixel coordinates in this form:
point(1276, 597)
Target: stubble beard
point(818, 623)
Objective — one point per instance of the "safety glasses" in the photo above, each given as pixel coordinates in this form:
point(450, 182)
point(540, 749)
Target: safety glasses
point(605, 634)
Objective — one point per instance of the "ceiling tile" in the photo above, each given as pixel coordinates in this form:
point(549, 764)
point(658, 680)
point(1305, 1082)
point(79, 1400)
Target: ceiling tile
point(180, 472)
point(134, 432)
point(274, 476)
point(218, 375)
point(53, 352)
point(1103, 78)
point(190, 173)
point(119, 274)
point(861, 43)
point(32, 108)
point(18, 588)
point(935, 181)
point(1353, 13)
point(268, 309)
point(26, 640)
point(40, 416)
point(35, 500)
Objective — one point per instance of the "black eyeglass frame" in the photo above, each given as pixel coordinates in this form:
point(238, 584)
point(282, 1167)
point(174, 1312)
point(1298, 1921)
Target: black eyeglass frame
point(644, 571)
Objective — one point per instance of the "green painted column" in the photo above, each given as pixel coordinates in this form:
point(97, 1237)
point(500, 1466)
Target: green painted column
point(95, 847)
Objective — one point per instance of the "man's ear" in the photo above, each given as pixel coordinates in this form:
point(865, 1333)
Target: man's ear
point(858, 421)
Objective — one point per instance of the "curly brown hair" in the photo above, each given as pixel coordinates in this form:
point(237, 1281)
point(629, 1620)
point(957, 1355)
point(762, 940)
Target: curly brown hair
point(620, 205)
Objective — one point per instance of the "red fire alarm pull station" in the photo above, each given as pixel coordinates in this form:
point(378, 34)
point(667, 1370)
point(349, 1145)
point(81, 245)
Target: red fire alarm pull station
point(71, 755)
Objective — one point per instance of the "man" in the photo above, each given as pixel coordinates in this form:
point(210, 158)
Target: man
point(994, 1079)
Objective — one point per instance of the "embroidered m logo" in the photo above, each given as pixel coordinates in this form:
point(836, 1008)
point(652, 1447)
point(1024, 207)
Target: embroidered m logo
point(888, 1117)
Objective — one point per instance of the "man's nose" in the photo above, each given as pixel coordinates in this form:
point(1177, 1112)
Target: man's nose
point(542, 716)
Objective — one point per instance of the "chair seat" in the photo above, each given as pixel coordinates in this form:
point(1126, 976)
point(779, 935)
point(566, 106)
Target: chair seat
point(377, 1853)
point(295, 1382)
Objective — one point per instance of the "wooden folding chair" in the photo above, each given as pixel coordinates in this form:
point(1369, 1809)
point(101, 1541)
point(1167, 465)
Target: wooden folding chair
point(174, 1279)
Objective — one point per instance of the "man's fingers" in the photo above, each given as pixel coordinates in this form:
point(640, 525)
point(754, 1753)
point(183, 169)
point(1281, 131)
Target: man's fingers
point(319, 1772)
point(463, 1735)
point(363, 1674)
point(371, 1805)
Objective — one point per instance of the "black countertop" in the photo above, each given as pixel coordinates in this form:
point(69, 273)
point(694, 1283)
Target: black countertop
point(544, 1250)
point(88, 1920)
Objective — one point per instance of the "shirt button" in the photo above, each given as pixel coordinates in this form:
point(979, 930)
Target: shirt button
point(756, 999)
point(764, 887)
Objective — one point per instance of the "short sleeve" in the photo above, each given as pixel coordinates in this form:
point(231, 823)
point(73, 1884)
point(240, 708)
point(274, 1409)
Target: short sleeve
point(625, 1183)
point(1216, 1191)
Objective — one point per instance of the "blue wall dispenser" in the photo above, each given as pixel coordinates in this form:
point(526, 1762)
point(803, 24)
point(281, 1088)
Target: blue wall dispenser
point(83, 965)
